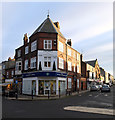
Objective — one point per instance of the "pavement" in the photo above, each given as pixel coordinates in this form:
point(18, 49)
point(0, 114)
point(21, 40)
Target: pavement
point(86, 105)
point(29, 98)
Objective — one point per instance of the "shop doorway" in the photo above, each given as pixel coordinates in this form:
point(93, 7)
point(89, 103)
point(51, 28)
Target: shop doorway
point(34, 87)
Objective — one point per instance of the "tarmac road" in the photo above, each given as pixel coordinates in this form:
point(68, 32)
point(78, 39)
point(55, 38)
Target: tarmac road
point(85, 106)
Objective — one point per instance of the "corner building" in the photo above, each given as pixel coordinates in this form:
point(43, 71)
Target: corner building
point(46, 62)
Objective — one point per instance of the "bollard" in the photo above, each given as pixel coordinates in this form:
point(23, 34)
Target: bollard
point(32, 94)
point(59, 92)
point(48, 94)
point(16, 95)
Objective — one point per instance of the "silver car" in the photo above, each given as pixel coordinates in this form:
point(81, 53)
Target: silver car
point(94, 88)
point(105, 88)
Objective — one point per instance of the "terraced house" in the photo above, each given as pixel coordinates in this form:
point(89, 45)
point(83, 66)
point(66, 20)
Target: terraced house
point(93, 72)
point(47, 62)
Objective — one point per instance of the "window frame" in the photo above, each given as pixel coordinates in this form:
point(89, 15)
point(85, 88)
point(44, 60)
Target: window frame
point(34, 46)
point(69, 66)
point(33, 62)
point(61, 46)
point(61, 63)
point(46, 43)
point(47, 60)
point(26, 49)
point(26, 64)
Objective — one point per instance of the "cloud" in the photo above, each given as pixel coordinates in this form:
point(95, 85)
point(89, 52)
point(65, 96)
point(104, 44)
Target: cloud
point(100, 49)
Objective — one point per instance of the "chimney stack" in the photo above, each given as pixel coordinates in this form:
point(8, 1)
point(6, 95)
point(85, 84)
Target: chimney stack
point(69, 42)
point(25, 39)
point(57, 25)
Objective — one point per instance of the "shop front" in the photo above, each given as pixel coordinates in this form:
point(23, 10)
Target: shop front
point(44, 83)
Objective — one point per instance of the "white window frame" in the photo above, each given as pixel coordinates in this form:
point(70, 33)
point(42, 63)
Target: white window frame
point(34, 46)
point(74, 67)
point(69, 83)
point(61, 63)
point(46, 42)
point(12, 73)
point(69, 52)
point(18, 65)
point(26, 65)
point(33, 62)
point(69, 66)
point(47, 59)
point(74, 55)
point(77, 68)
point(26, 49)
point(78, 56)
point(61, 46)
point(19, 53)
point(7, 74)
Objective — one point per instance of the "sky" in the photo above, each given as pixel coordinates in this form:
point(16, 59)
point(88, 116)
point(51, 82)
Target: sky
point(88, 24)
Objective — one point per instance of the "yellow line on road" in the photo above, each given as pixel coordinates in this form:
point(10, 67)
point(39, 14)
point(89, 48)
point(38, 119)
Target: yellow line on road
point(90, 110)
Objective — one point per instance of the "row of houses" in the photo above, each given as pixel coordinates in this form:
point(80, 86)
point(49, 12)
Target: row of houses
point(47, 62)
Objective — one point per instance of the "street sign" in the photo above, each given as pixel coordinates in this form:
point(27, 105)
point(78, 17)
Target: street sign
point(16, 81)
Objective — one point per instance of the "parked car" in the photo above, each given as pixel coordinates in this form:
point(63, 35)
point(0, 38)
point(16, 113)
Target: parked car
point(105, 88)
point(94, 88)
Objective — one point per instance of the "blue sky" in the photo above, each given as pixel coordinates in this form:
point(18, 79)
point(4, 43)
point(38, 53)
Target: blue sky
point(89, 25)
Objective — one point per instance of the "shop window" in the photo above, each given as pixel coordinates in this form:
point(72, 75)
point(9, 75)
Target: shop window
point(47, 62)
point(69, 83)
point(47, 44)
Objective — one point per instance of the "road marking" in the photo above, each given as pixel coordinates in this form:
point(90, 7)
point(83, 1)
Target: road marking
point(90, 110)
point(105, 95)
point(96, 96)
point(90, 95)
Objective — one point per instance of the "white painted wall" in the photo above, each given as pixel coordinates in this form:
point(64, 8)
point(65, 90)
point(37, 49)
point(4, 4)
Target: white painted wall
point(42, 54)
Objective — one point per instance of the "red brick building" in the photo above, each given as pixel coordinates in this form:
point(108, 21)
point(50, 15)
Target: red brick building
point(47, 62)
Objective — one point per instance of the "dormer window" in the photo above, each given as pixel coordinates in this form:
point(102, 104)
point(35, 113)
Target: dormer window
point(47, 44)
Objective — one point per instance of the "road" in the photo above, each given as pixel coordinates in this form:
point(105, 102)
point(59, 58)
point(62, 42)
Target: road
point(57, 108)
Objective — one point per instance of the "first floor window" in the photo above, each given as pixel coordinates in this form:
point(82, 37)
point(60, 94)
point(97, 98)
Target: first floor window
point(7, 74)
point(18, 65)
point(77, 68)
point(12, 73)
point(69, 83)
point(60, 46)
point(47, 61)
point(61, 63)
point(74, 68)
point(33, 62)
point(69, 66)
point(26, 64)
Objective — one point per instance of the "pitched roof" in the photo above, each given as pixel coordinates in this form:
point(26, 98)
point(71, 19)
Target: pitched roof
point(92, 62)
point(49, 27)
